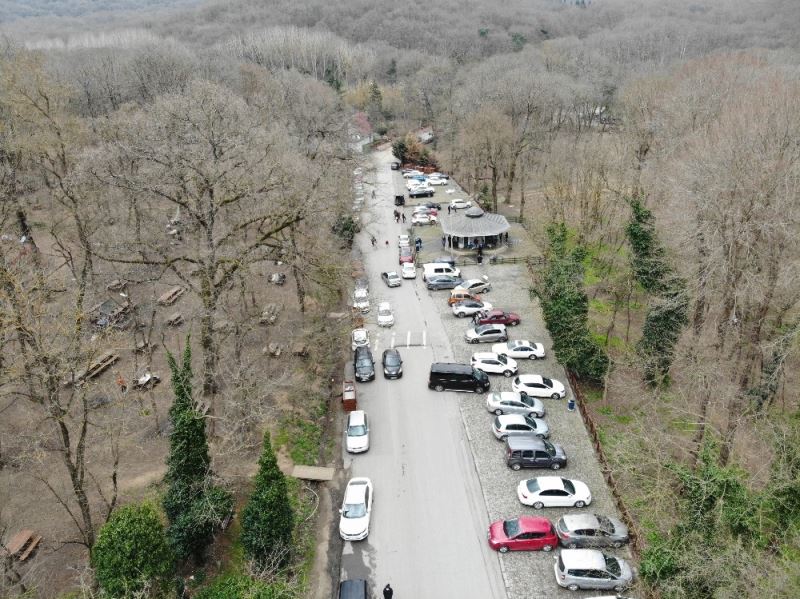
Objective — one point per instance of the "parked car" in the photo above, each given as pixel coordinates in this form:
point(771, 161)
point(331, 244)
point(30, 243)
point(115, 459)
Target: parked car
point(391, 278)
point(406, 254)
point(577, 569)
point(458, 204)
point(486, 334)
point(457, 377)
point(591, 530)
point(553, 491)
point(392, 364)
point(469, 307)
point(403, 241)
point(435, 205)
point(526, 452)
point(385, 315)
point(437, 181)
point(492, 363)
point(525, 533)
point(363, 364)
point(356, 510)
point(481, 285)
point(440, 175)
point(408, 174)
point(359, 338)
point(459, 295)
point(357, 432)
point(430, 269)
point(423, 191)
point(538, 386)
point(423, 219)
point(425, 210)
point(361, 300)
point(355, 588)
point(408, 270)
point(520, 349)
point(514, 425)
point(395, 166)
point(442, 282)
point(497, 317)
point(509, 402)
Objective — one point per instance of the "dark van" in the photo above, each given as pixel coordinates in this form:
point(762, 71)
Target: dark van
point(399, 199)
point(363, 364)
point(533, 452)
point(457, 377)
point(353, 589)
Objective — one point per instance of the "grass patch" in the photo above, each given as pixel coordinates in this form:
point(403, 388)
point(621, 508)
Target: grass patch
point(600, 306)
point(592, 394)
point(302, 438)
point(606, 410)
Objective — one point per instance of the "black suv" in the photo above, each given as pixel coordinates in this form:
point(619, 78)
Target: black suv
point(364, 364)
point(533, 452)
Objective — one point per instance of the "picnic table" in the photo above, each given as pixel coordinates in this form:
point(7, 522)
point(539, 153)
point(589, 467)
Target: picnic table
point(22, 544)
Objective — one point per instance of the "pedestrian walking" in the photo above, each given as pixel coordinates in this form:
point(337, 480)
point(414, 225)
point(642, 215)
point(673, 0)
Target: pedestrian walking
point(374, 241)
point(373, 194)
point(388, 591)
point(448, 209)
point(397, 218)
point(404, 217)
point(444, 241)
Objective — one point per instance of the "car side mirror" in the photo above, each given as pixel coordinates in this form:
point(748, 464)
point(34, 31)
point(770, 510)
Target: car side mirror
point(340, 510)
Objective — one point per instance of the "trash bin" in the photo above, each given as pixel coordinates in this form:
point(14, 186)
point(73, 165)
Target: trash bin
point(571, 405)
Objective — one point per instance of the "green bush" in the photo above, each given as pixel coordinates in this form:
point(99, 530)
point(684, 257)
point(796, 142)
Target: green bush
point(132, 554)
point(239, 586)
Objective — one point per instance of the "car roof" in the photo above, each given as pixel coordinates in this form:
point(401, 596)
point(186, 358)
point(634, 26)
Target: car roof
point(524, 443)
point(583, 558)
point(578, 521)
point(495, 312)
point(484, 355)
point(484, 327)
point(391, 272)
point(512, 419)
point(356, 417)
point(534, 523)
point(508, 395)
point(384, 306)
point(356, 490)
point(549, 482)
point(391, 351)
point(518, 342)
point(530, 378)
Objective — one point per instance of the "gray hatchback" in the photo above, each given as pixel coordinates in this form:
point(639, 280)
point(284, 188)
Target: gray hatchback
point(591, 530)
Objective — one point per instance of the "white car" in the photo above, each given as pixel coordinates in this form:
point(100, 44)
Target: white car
point(357, 432)
point(403, 241)
point(520, 349)
point(385, 315)
point(391, 278)
point(437, 181)
point(361, 300)
point(413, 173)
point(536, 385)
point(469, 307)
point(359, 338)
point(408, 270)
point(553, 491)
point(458, 204)
point(508, 402)
point(492, 363)
point(414, 183)
point(517, 425)
point(356, 510)
point(423, 219)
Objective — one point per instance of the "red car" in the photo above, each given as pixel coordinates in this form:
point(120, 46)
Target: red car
point(526, 533)
point(497, 317)
point(406, 254)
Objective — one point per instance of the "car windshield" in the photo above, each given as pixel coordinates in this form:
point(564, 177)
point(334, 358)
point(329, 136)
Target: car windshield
point(479, 374)
point(354, 510)
point(384, 311)
point(360, 293)
point(547, 382)
point(527, 400)
point(391, 359)
point(516, 381)
point(364, 361)
point(530, 422)
point(612, 565)
point(502, 358)
point(550, 448)
point(605, 524)
point(511, 527)
point(568, 486)
point(532, 484)
point(358, 430)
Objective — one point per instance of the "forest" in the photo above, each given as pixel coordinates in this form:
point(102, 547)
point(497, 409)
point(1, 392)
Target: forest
point(651, 147)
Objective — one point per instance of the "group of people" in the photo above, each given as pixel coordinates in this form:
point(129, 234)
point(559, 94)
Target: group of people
point(398, 215)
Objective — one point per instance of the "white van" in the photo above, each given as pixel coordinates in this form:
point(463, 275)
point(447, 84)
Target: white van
point(438, 268)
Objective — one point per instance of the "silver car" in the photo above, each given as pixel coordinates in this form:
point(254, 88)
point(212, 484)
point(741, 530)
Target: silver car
point(591, 569)
point(486, 333)
point(509, 402)
point(591, 530)
point(515, 425)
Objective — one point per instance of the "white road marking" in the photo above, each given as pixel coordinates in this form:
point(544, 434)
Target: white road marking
point(424, 333)
point(408, 339)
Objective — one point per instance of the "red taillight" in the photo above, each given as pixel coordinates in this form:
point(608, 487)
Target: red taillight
point(565, 535)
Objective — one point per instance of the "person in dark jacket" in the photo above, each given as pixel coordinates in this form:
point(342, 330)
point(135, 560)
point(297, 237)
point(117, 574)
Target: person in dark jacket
point(388, 592)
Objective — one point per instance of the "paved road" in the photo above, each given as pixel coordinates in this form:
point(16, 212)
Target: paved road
point(428, 533)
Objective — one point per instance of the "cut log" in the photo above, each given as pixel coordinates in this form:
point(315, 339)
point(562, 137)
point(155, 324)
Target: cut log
point(170, 297)
point(175, 320)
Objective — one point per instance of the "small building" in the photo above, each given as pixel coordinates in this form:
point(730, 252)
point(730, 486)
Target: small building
point(424, 135)
point(474, 228)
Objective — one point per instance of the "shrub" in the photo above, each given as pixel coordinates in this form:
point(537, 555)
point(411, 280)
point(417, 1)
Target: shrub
point(239, 586)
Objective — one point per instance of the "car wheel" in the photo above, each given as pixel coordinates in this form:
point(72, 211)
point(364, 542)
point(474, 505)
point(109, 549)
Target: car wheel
point(580, 504)
point(573, 587)
point(555, 466)
point(619, 588)
point(503, 437)
point(498, 412)
point(461, 315)
point(547, 548)
point(514, 323)
point(532, 357)
point(504, 338)
point(538, 505)
point(515, 467)
point(473, 340)
point(503, 549)
point(572, 545)
point(507, 373)
point(616, 544)
point(555, 396)
point(439, 388)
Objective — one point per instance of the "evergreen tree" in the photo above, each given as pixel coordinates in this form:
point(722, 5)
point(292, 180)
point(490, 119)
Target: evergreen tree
point(132, 555)
point(268, 519)
point(192, 504)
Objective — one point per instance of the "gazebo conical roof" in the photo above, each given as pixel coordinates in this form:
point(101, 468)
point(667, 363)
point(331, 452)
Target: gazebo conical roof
point(474, 222)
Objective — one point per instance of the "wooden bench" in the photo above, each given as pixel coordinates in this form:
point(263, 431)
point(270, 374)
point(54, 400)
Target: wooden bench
point(95, 368)
point(175, 320)
point(22, 544)
point(170, 297)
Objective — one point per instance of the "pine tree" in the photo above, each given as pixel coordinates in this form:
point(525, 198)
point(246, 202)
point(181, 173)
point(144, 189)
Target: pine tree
point(192, 504)
point(268, 519)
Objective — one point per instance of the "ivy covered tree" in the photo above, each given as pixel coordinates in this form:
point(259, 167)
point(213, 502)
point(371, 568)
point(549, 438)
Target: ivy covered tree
point(268, 519)
point(194, 506)
point(647, 254)
point(132, 556)
point(566, 309)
